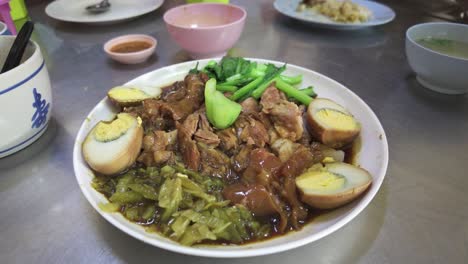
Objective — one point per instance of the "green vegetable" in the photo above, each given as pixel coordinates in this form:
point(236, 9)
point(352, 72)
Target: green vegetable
point(234, 71)
point(109, 207)
point(145, 190)
point(247, 89)
point(194, 70)
point(237, 82)
point(196, 233)
point(227, 67)
point(221, 111)
point(122, 184)
point(291, 80)
point(170, 197)
point(194, 189)
point(245, 78)
point(152, 172)
point(132, 213)
point(181, 204)
point(149, 212)
point(290, 91)
point(234, 77)
point(104, 185)
point(260, 68)
point(217, 204)
point(226, 88)
point(180, 168)
point(126, 197)
point(309, 91)
point(179, 226)
point(167, 171)
point(272, 73)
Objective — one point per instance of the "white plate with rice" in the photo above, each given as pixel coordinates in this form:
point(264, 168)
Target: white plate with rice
point(379, 14)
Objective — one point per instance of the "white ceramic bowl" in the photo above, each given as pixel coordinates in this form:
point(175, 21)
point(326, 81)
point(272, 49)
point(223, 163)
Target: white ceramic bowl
point(373, 157)
point(437, 71)
point(131, 57)
point(25, 99)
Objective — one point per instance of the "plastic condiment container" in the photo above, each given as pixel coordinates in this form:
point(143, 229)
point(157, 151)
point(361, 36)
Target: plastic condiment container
point(6, 17)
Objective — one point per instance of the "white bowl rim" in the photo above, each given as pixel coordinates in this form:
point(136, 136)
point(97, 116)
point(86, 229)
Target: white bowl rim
point(127, 38)
point(450, 24)
point(238, 21)
point(36, 54)
point(247, 252)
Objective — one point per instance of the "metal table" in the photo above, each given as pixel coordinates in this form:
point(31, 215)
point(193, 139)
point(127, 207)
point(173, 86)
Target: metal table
point(420, 215)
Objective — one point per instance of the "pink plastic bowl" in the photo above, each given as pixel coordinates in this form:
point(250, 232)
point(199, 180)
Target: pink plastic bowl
point(205, 30)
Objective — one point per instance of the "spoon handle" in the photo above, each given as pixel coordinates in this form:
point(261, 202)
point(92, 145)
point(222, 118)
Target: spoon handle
point(19, 45)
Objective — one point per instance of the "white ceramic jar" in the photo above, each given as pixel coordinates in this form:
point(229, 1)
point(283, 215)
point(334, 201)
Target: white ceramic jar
point(25, 99)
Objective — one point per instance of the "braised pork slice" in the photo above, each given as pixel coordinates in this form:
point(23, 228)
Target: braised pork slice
point(174, 92)
point(253, 196)
point(189, 103)
point(306, 138)
point(157, 147)
point(205, 132)
point(284, 148)
point(228, 139)
point(215, 163)
point(250, 105)
point(286, 116)
point(251, 131)
point(263, 167)
point(204, 124)
point(187, 146)
point(149, 112)
point(207, 137)
point(241, 160)
point(298, 162)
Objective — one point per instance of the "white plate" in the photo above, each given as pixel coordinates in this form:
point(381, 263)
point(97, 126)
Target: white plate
point(74, 10)
point(381, 14)
point(373, 157)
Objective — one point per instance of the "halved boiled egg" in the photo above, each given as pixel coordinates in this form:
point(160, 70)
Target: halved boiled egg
point(331, 123)
point(112, 147)
point(128, 96)
point(332, 185)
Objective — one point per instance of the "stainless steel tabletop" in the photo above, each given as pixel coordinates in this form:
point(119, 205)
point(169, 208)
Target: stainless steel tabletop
point(420, 215)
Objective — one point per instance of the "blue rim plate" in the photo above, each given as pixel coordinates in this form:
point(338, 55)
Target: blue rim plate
point(121, 10)
point(381, 14)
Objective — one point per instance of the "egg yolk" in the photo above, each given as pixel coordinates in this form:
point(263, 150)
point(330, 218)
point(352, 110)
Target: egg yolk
point(125, 94)
point(105, 132)
point(336, 119)
point(321, 181)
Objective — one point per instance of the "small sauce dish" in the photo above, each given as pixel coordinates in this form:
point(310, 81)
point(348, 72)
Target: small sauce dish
point(130, 49)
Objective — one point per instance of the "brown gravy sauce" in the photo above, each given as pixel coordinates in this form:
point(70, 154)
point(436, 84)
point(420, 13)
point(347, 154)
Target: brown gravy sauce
point(131, 46)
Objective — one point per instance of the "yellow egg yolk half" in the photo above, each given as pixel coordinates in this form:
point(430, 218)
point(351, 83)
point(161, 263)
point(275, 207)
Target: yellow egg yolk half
point(105, 132)
point(321, 180)
point(336, 119)
point(126, 93)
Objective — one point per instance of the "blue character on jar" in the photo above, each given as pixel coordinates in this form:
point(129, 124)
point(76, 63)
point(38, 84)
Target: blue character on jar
point(42, 109)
